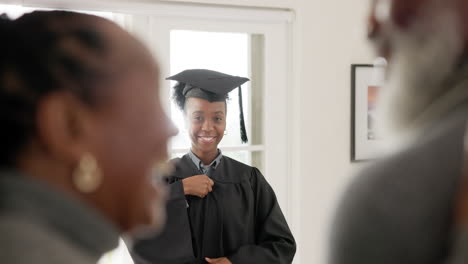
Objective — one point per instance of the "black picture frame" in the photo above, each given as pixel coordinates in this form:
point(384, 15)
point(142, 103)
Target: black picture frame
point(363, 145)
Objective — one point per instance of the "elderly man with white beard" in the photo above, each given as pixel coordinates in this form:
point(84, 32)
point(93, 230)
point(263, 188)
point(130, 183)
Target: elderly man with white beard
point(406, 208)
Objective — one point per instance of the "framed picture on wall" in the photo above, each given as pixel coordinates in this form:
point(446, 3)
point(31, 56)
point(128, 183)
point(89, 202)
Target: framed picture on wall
point(365, 88)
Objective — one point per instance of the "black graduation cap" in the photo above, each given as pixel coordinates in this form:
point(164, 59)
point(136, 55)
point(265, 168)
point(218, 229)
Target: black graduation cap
point(212, 86)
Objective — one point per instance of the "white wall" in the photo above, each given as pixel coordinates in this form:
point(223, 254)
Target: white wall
point(330, 36)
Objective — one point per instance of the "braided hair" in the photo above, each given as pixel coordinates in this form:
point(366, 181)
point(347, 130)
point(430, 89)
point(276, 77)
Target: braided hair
point(42, 52)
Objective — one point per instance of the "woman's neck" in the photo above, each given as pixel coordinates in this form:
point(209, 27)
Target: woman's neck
point(205, 157)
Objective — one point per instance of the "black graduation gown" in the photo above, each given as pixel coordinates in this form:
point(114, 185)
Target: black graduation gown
point(240, 219)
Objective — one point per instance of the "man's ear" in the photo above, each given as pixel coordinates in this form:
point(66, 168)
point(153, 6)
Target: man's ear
point(62, 123)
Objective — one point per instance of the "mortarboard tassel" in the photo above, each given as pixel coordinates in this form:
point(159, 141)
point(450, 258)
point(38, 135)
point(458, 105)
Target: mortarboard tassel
point(242, 123)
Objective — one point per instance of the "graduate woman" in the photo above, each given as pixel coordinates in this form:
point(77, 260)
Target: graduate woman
point(220, 210)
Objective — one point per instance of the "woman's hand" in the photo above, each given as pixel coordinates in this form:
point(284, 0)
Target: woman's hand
point(218, 260)
point(198, 185)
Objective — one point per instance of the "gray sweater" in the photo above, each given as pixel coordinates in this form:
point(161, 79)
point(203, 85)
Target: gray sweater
point(41, 225)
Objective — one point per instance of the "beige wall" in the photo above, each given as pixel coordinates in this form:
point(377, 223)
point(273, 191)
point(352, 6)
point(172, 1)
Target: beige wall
point(330, 36)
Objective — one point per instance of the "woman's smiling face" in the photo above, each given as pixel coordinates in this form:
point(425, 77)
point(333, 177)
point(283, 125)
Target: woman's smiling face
point(206, 122)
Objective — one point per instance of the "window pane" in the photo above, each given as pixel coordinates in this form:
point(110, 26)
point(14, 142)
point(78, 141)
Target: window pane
point(224, 52)
point(120, 255)
point(177, 155)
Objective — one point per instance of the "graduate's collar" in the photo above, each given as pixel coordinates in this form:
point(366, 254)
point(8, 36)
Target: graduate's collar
point(199, 164)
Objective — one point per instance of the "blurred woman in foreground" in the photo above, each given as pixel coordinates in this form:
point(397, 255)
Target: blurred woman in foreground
point(82, 129)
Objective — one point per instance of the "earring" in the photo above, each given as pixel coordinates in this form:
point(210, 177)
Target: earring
point(225, 132)
point(87, 176)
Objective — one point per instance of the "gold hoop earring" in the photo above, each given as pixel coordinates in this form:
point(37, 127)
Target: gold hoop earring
point(87, 176)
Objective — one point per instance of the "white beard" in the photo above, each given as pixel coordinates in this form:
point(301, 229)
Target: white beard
point(424, 57)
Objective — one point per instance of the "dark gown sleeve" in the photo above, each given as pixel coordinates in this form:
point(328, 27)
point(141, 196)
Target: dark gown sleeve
point(274, 241)
point(176, 190)
point(173, 245)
